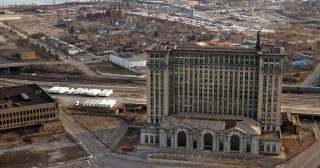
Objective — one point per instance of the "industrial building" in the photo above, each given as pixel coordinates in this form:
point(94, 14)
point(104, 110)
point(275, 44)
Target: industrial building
point(214, 98)
point(127, 60)
point(27, 105)
point(26, 54)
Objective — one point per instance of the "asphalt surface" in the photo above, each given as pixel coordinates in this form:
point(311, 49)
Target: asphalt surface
point(309, 158)
point(313, 79)
point(100, 155)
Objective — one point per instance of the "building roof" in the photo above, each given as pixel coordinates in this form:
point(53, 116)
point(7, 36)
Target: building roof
point(128, 56)
point(248, 125)
point(150, 127)
point(265, 49)
point(270, 136)
point(216, 49)
point(25, 95)
point(288, 117)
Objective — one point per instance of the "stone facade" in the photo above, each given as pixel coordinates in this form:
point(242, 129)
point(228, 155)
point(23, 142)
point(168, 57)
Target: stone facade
point(204, 135)
point(208, 140)
point(235, 91)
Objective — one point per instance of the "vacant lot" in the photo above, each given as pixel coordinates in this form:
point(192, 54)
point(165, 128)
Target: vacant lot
point(41, 150)
point(293, 146)
point(106, 128)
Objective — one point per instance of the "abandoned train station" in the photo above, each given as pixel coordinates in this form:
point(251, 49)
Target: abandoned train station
point(214, 98)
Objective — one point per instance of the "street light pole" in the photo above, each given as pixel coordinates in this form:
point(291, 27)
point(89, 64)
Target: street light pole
point(198, 161)
point(149, 161)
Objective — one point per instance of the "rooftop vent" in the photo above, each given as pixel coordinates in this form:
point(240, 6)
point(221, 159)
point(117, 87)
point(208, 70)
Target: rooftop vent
point(25, 97)
point(38, 91)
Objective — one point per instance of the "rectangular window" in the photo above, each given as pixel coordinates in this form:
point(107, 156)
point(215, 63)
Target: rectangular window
point(146, 140)
point(274, 148)
point(268, 148)
point(262, 147)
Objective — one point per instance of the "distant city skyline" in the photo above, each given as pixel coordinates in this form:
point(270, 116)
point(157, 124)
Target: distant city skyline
point(38, 2)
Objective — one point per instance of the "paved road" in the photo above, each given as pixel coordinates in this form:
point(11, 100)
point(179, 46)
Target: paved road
point(309, 158)
point(313, 78)
point(100, 155)
point(21, 64)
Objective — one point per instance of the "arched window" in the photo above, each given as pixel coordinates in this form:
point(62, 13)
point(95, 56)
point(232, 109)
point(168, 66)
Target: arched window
point(221, 146)
point(182, 139)
point(208, 140)
point(194, 144)
point(235, 143)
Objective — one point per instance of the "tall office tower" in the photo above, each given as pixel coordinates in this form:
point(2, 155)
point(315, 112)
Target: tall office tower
point(215, 90)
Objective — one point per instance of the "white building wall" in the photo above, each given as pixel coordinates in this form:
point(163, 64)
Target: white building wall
point(139, 64)
point(119, 61)
point(150, 136)
point(125, 63)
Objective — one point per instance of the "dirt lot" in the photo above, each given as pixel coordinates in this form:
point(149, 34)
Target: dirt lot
point(131, 138)
point(40, 150)
point(38, 24)
point(291, 143)
point(106, 128)
point(58, 69)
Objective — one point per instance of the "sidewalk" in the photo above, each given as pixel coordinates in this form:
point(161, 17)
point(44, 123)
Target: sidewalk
point(209, 156)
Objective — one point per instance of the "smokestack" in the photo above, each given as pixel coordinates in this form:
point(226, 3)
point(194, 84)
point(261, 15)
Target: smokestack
point(258, 45)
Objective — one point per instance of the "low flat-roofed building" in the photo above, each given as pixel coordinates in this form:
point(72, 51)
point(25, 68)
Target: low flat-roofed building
point(26, 105)
point(127, 60)
point(270, 142)
point(26, 54)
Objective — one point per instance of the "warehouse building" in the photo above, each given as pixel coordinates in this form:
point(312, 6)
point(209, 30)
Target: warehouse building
point(128, 61)
point(26, 54)
point(27, 105)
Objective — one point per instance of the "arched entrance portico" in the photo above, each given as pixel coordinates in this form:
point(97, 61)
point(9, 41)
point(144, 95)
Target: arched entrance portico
point(235, 143)
point(182, 139)
point(208, 141)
